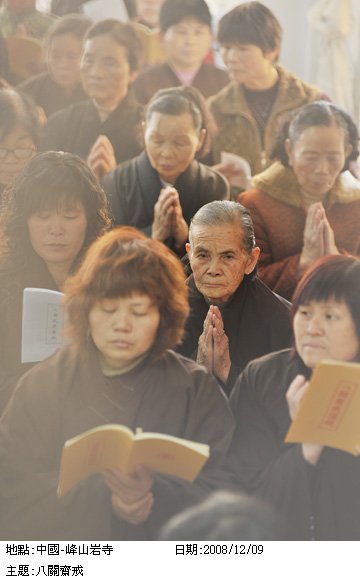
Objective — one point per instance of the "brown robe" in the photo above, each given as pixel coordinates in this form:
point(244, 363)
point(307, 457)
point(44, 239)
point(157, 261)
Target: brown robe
point(65, 396)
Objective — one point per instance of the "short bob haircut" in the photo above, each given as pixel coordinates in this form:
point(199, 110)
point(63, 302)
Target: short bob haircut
point(123, 34)
point(70, 24)
point(332, 277)
point(174, 11)
point(122, 262)
point(179, 100)
point(222, 213)
point(17, 109)
point(316, 114)
point(50, 180)
point(251, 23)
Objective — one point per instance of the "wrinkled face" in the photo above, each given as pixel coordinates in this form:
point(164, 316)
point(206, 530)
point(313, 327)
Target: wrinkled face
point(105, 71)
point(124, 329)
point(219, 261)
point(148, 11)
point(58, 235)
point(64, 59)
point(325, 330)
point(171, 142)
point(16, 150)
point(317, 158)
point(187, 43)
point(246, 63)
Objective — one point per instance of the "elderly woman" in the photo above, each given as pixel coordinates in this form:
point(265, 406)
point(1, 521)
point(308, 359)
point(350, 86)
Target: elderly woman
point(19, 134)
point(316, 487)
point(104, 128)
point(126, 307)
point(306, 205)
point(49, 217)
point(160, 190)
point(234, 316)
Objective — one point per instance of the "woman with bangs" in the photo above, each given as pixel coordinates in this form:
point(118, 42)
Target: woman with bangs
point(126, 307)
point(314, 486)
point(49, 217)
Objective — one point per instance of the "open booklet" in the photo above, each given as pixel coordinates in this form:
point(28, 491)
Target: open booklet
point(42, 324)
point(330, 409)
point(116, 446)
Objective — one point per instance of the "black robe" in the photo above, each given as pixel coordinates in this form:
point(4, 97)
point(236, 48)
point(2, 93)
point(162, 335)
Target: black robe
point(256, 321)
point(209, 80)
point(50, 95)
point(76, 128)
point(64, 396)
point(133, 189)
point(320, 502)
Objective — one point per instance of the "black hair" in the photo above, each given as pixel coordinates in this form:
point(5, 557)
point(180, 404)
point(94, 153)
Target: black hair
point(49, 181)
point(16, 108)
point(173, 11)
point(316, 114)
point(124, 34)
point(251, 23)
point(179, 100)
point(332, 277)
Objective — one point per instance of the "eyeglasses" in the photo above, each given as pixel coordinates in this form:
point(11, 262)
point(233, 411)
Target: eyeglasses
point(18, 153)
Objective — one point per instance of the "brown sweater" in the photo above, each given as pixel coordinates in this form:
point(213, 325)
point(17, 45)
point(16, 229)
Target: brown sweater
point(276, 208)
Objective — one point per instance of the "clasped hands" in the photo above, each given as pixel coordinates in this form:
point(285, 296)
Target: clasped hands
point(131, 495)
point(168, 218)
point(213, 346)
point(319, 239)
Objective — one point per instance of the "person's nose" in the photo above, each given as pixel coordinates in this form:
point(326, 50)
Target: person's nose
point(315, 325)
point(214, 267)
point(121, 321)
point(322, 166)
point(167, 151)
point(56, 225)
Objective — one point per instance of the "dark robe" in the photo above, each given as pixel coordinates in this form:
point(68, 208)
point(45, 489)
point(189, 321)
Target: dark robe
point(256, 321)
point(76, 128)
point(64, 396)
point(133, 189)
point(320, 502)
point(50, 95)
point(209, 80)
point(12, 284)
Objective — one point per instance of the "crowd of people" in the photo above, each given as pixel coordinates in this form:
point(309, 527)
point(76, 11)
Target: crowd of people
point(194, 307)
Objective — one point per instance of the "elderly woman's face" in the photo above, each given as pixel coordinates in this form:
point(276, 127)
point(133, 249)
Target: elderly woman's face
point(317, 158)
point(218, 260)
point(325, 330)
point(171, 142)
point(124, 329)
point(105, 71)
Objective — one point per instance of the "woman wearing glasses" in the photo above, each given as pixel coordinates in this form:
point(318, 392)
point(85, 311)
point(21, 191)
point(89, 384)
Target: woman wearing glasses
point(19, 134)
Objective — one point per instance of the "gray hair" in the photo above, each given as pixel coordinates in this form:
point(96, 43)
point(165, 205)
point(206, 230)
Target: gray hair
point(225, 212)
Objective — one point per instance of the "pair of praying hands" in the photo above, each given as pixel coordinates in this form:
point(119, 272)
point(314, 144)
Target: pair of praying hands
point(101, 158)
point(131, 495)
point(319, 239)
point(168, 218)
point(213, 346)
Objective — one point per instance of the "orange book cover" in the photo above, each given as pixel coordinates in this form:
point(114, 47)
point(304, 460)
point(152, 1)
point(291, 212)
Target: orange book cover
point(116, 446)
point(330, 409)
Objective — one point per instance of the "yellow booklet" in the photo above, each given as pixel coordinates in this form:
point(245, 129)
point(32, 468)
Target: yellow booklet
point(116, 446)
point(330, 410)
